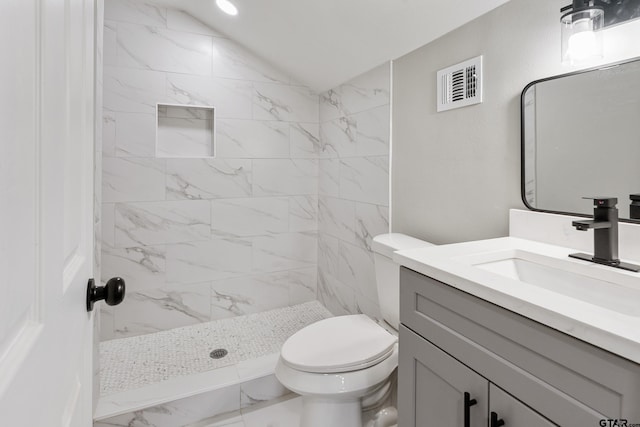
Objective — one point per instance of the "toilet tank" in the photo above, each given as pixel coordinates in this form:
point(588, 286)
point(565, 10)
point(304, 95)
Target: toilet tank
point(388, 272)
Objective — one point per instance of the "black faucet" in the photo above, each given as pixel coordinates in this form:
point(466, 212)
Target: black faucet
point(605, 234)
point(634, 207)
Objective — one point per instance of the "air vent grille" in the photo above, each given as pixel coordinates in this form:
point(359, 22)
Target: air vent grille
point(457, 87)
point(460, 85)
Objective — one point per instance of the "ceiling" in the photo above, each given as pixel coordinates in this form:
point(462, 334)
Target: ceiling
point(323, 43)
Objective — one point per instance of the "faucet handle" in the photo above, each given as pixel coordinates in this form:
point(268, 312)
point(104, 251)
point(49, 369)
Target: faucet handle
point(603, 202)
point(634, 207)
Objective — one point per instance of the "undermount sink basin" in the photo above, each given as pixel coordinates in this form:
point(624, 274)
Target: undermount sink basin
point(534, 269)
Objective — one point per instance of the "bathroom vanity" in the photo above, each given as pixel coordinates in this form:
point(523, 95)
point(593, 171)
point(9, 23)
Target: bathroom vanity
point(480, 348)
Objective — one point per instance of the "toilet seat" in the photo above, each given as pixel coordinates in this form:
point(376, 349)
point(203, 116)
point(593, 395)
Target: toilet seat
point(338, 344)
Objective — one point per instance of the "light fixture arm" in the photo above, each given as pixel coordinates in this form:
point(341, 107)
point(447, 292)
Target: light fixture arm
point(578, 5)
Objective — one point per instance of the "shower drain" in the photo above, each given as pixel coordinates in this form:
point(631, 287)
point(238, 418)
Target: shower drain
point(218, 353)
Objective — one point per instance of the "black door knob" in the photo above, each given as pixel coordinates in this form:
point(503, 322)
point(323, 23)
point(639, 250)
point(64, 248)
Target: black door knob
point(112, 293)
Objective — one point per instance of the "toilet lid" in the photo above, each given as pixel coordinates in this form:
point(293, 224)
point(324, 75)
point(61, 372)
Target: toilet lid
point(338, 344)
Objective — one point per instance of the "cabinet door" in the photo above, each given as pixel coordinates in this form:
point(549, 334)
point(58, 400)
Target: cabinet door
point(432, 386)
point(513, 412)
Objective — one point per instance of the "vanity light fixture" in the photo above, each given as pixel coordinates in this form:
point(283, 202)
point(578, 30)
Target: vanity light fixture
point(582, 24)
point(227, 7)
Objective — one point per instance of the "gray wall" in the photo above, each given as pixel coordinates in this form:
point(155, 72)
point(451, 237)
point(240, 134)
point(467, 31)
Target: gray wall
point(455, 174)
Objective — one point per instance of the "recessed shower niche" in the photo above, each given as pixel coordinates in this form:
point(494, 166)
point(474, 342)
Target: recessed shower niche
point(185, 131)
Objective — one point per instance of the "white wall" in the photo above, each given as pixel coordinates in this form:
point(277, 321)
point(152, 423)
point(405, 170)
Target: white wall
point(201, 239)
point(353, 190)
point(456, 173)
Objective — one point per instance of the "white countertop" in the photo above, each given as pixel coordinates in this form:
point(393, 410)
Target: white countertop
point(615, 330)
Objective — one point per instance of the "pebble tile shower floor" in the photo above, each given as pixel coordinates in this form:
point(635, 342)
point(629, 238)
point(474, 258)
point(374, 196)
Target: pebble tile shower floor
point(134, 362)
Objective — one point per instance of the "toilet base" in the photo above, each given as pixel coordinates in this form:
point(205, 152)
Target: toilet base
point(322, 412)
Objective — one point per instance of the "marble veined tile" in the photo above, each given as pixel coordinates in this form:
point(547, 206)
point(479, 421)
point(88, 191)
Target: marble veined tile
point(108, 224)
point(365, 179)
point(230, 60)
point(231, 98)
point(109, 134)
point(153, 223)
point(110, 43)
point(339, 137)
point(364, 92)
point(141, 267)
point(328, 250)
point(371, 220)
point(132, 179)
point(180, 412)
point(135, 135)
point(182, 137)
point(273, 177)
point(159, 49)
point(273, 101)
point(208, 260)
point(337, 217)
point(329, 177)
point(181, 21)
point(373, 131)
point(106, 323)
point(252, 139)
point(135, 11)
point(284, 414)
point(303, 285)
point(183, 112)
point(303, 213)
point(250, 216)
point(159, 309)
point(356, 269)
point(286, 251)
point(227, 421)
point(249, 294)
point(131, 90)
point(208, 178)
point(305, 140)
point(339, 298)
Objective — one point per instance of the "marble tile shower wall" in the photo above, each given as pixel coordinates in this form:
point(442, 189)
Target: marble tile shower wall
point(353, 190)
point(207, 238)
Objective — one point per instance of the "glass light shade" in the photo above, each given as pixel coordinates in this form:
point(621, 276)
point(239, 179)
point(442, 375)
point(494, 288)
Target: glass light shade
point(227, 7)
point(582, 35)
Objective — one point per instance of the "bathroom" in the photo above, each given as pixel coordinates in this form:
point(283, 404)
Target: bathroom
point(239, 200)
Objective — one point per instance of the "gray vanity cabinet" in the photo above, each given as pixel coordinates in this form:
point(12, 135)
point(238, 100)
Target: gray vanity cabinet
point(433, 386)
point(440, 382)
point(512, 411)
point(527, 373)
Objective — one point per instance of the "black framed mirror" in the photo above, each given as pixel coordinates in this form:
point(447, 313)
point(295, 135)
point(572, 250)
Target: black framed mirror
point(580, 136)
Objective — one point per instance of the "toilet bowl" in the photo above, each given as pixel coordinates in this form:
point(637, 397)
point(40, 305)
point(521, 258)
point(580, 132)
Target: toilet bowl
point(337, 363)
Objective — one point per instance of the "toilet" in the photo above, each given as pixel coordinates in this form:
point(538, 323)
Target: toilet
point(341, 364)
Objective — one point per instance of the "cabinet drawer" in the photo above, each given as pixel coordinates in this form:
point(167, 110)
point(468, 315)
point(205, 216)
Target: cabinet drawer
point(567, 380)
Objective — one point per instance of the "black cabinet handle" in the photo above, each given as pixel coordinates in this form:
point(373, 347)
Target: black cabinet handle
point(112, 293)
point(495, 421)
point(468, 403)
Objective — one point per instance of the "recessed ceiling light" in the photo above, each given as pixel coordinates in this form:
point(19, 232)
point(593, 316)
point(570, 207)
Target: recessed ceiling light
point(227, 7)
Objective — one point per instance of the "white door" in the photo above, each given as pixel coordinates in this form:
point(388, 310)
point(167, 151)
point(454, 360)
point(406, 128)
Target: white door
point(46, 211)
